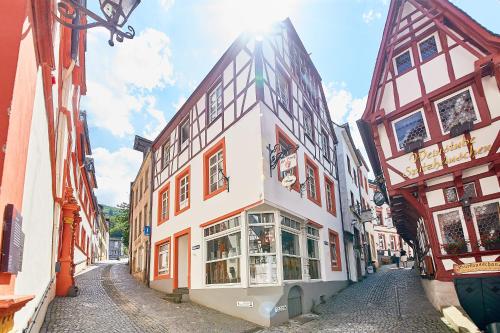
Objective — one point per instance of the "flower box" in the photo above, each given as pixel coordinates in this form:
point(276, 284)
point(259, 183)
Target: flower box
point(461, 128)
point(414, 145)
point(457, 247)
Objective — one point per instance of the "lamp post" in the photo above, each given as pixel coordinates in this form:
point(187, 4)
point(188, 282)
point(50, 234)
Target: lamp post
point(116, 14)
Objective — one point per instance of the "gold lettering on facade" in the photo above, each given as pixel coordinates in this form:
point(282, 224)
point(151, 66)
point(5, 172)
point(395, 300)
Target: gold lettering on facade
point(477, 267)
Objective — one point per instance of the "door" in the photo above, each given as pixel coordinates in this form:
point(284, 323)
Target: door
point(182, 253)
point(294, 302)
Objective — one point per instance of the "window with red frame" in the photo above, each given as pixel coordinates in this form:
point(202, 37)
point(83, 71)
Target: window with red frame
point(164, 204)
point(214, 166)
point(330, 196)
point(286, 143)
point(182, 191)
point(334, 244)
point(312, 177)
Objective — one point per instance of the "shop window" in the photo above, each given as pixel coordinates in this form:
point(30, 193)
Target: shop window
point(450, 194)
point(457, 110)
point(313, 253)
point(182, 189)
point(283, 89)
point(334, 243)
point(312, 177)
point(428, 48)
point(184, 134)
point(410, 129)
point(470, 190)
point(403, 62)
point(308, 123)
point(331, 205)
point(215, 102)
point(452, 233)
point(214, 164)
point(488, 225)
point(163, 204)
point(223, 248)
point(290, 247)
point(287, 144)
point(262, 249)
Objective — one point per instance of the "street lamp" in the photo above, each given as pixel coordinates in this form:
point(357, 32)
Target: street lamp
point(116, 14)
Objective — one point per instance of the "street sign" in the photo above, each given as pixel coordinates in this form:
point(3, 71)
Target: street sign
point(288, 162)
point(378, 198)
point(147, 230)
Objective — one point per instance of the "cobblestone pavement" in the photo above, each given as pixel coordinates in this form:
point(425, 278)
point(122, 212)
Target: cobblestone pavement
point(371, 306)
point(111, 300)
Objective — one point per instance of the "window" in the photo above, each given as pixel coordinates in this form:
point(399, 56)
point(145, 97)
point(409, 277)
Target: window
point(450, 194)
point(163, 204)
point(146, 222)
point(393, 243)
point(146, 182)
point(488, 225)
point(325, 145)
point(286, 143)
point(140, 189)
point(162, 259)
point(334, 250)
point(313, 192)
point(381, 241)
point(182, 191)
point(348, 165)
point(184, 134)
point(308, 123)
point(215, 102)
point(428, 48)
point(353, 204)
point(165, 150)
point(283, 90)
point(262, 249)
point(470, 190)
point(403, 62)
point(290, 247)
point(140, 223)
point(223, 244)
point(451, 231)
point(313, 252)
point(330, 196)
point(456, 110)
point(410, 129)
point(354, 177)
point(214, 165)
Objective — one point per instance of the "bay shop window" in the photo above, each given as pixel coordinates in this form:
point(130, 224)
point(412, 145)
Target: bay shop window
point(290, 247)
point(262, 249)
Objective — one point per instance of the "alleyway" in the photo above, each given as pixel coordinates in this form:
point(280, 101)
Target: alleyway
point(111, 301)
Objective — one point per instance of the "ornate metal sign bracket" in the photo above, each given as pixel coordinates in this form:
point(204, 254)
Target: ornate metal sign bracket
point(226, 178)
point(277, 153)
point(303, 185)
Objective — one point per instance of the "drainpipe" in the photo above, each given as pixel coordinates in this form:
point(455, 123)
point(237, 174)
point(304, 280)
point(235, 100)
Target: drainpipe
point(342, 217)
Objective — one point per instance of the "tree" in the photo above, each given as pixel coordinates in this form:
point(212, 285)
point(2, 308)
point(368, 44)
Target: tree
point(119, 226)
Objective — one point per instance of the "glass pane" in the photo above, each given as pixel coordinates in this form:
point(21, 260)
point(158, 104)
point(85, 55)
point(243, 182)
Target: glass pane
point(314, 271)
point(263, 270)
point(403, 62)
point(261, 239)
point(224, 247)
point(290, 243)
point(469, 190)
point(410, 129)
point(452, 233)
point(488, 224)
point(451, 194)
point(312, 248)
point(226, 271)
point(428, 48)
point(292, 268)
point(456, 110)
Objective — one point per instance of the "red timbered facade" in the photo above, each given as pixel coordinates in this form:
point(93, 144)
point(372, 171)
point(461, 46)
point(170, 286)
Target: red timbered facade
point(431, 128)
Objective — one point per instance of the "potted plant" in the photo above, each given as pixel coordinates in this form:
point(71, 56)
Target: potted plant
point(490, 242)
point(413, 144)
point(455, 247)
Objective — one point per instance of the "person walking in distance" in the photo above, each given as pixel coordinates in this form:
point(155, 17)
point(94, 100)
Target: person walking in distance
point(404, 258)
point(397, 255)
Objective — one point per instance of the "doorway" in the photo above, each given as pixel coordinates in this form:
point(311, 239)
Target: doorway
point(294, 302)
point(182, 278)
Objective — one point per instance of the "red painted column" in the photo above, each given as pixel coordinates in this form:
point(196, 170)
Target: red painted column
point(65, 276)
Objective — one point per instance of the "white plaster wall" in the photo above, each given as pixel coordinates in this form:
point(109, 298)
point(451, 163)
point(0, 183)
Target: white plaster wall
point(462, 61)
point(388, 103)
point(489, 185)
point(492, 95)
point(407, 86)
point(435, 198)
point(435, 73)
point(37, 213)
point(384, 141)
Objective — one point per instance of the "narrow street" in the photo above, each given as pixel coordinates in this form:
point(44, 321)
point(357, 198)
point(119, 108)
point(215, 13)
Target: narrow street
point(111, 300)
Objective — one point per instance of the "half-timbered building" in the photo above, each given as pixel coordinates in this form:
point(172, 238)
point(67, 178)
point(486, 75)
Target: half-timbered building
point(431, 128)
point(225, 230)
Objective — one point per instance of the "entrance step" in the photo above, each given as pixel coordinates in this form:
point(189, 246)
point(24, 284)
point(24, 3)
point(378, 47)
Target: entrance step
point(178, 295)
point(181, 291)
point(174, 298)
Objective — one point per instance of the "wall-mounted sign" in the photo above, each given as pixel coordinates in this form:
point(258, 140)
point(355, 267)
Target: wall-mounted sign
point(147, 230)
point(288, 162)
point(280, 308)
point(13, 241)
point(195, 247)
point(485, 266)
point(325, 242)
point(378, 198)
point(288, 180)
point(244, 304)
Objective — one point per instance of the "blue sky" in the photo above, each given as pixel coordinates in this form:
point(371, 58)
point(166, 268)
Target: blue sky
point(137, 86)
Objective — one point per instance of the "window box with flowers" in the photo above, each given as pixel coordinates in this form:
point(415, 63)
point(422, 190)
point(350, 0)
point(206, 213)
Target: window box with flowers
point(457, 246)
point(490, 242)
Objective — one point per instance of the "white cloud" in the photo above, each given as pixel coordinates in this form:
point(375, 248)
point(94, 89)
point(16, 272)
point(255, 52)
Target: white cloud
point(371, 15)
point(115, 171)
point(166, 4)
point(158, 121)
point(180, 102)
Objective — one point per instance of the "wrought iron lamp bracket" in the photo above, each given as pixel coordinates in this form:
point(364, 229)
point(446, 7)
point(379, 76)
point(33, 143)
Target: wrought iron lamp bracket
point(226, 178)
point(72, 9)
point(276, 154)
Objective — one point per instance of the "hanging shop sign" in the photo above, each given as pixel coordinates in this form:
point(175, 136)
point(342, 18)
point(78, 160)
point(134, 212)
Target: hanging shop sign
point(12, 241)
point(378, 198)
point(430, 159)
point(288, 181)
point(288, 162)
point(485, 266)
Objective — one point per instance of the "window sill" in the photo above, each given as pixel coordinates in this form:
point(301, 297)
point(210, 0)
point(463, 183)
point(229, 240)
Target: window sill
point(317, 202)
point(162, 277)
point(214, 193)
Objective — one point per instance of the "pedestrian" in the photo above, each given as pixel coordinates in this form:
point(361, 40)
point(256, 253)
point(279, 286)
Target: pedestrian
point(397, 256)
point(404, 258)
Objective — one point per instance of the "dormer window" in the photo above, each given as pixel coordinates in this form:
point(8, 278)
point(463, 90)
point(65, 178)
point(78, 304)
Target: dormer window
point(428, 48)
point(410, 130)
point(215, 102)
point(403, 62)
point(184, 134)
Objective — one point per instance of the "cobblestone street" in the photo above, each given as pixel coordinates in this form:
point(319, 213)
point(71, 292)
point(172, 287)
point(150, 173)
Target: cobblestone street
point(111, 301)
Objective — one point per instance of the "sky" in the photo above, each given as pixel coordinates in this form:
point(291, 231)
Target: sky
point(137, 86)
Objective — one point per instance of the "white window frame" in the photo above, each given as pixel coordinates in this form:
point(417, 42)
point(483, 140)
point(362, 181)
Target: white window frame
point(328, 194)
point(285, 102)
point(165, 271)
point(165, 154)
point(453, 94)
point(296, 232)
point(184, 191)
point(396, 66)
point(309, 258)
point(438, 46)
point(212, 116)
point(462, 221)
point(311, 183)
point(184, 144)
point(474, 217)
point(164, 204)
point(307, 113)
point(393, 124)
point(219, 163)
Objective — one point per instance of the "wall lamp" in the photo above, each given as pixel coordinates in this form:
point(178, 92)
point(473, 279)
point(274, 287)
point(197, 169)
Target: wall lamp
point(116, 14)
